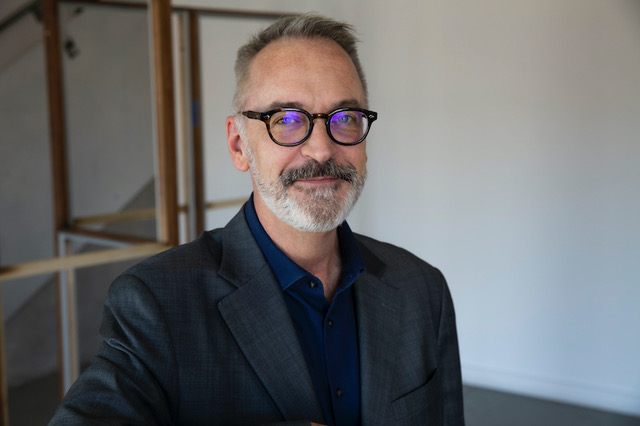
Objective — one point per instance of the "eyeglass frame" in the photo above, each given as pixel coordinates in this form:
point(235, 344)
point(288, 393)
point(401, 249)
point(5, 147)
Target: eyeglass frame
point(265, 117)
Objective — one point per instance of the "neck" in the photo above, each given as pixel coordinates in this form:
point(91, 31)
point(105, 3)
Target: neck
point(316, 252)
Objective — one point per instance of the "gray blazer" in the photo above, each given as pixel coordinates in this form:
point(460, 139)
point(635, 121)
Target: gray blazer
point(201, 334)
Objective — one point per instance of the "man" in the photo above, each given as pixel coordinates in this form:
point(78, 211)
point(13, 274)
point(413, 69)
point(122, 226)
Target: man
point(284, 315)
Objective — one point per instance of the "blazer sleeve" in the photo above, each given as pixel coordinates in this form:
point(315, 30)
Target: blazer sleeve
point(134, 377)
point(450, 361)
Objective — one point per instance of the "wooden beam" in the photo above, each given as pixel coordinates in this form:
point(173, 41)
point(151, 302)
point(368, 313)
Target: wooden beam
point(23, 11)
point(99, 257)
point(4, 391)
point(57, 130)
point(72, 322)
point(196, 125)
point(185, 154)
point(229, 13)
point(165, 121)
point(107, 237)
point(125, 216)
point(226, 203)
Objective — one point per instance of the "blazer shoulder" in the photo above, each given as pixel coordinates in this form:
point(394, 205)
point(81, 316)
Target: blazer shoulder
point(204, 252)
point(390, 255)
point(401, 269)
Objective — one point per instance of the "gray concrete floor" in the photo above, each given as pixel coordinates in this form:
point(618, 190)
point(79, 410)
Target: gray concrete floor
point(34, 403)
point(484, 407)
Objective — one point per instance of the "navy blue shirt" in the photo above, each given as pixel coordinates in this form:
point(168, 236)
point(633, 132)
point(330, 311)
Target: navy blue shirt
point(327, 331)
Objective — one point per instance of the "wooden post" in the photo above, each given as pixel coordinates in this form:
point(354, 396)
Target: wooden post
point(72, 368)
point(82, 260)
point(57, 135)
point(185, 111)
point(57, 130)
point(165, 121)
point(4, 392)
point(196, 125)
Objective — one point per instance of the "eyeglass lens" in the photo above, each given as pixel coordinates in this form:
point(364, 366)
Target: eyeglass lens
point(290, 127)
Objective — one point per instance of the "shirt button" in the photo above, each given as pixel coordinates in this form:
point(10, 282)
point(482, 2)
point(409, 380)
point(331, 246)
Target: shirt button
point(339, 392)
point(313, 284)
point(330, 324)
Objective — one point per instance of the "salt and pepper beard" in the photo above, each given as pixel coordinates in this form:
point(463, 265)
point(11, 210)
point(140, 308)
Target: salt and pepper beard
point(319, 209)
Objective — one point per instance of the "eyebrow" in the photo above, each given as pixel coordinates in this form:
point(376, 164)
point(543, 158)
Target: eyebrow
point(345, 103)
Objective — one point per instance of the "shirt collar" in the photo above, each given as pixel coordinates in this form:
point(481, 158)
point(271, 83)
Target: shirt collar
point(287, 271)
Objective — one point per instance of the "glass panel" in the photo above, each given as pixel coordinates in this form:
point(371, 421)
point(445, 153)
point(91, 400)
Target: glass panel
point(110, 157)
point(31, 350)
point(220, 38)
point(110, 145)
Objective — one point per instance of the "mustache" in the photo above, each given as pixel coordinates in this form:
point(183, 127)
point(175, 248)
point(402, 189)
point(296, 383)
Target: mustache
point(314, 169)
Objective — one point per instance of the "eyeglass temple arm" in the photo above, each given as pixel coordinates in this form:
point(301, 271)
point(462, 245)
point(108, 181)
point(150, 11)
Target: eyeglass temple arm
point(262, 116)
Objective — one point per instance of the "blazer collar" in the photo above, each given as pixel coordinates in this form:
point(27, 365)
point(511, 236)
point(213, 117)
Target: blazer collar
point(242, 258)
point(259, 320)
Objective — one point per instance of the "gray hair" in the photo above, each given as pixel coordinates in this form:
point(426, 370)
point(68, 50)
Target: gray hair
point(307, 26)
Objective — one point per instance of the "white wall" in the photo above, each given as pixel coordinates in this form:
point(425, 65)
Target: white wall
point(108, 118)
point(26, 221)
point(507, 153)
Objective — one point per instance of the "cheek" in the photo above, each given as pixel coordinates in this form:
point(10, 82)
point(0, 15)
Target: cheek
point(358, 157)
point(272, 162)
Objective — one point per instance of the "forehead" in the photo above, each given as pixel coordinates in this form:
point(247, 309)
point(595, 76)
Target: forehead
point(312, 72)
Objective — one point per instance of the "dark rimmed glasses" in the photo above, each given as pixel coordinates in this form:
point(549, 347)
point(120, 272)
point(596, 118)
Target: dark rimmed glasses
point(293, 126)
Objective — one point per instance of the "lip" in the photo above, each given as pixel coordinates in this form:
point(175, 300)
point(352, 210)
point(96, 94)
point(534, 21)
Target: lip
point(318, 180)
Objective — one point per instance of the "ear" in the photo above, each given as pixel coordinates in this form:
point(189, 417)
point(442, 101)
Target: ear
point(236, 146)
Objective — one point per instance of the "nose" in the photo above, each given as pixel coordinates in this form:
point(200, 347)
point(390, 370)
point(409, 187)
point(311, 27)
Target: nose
point(319, 146)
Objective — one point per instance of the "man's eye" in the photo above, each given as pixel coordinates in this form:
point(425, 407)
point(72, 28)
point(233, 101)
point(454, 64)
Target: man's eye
point(348, 117)
point(287, 119)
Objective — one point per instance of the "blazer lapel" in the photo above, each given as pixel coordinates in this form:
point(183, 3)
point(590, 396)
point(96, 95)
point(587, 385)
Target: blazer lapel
point(378, 309)
point(258, 318)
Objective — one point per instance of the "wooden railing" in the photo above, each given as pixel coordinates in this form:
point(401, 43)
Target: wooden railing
point(167, 210)
point(122, 248)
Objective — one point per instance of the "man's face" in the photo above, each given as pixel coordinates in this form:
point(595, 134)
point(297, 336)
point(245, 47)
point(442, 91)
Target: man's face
point(313, 186)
